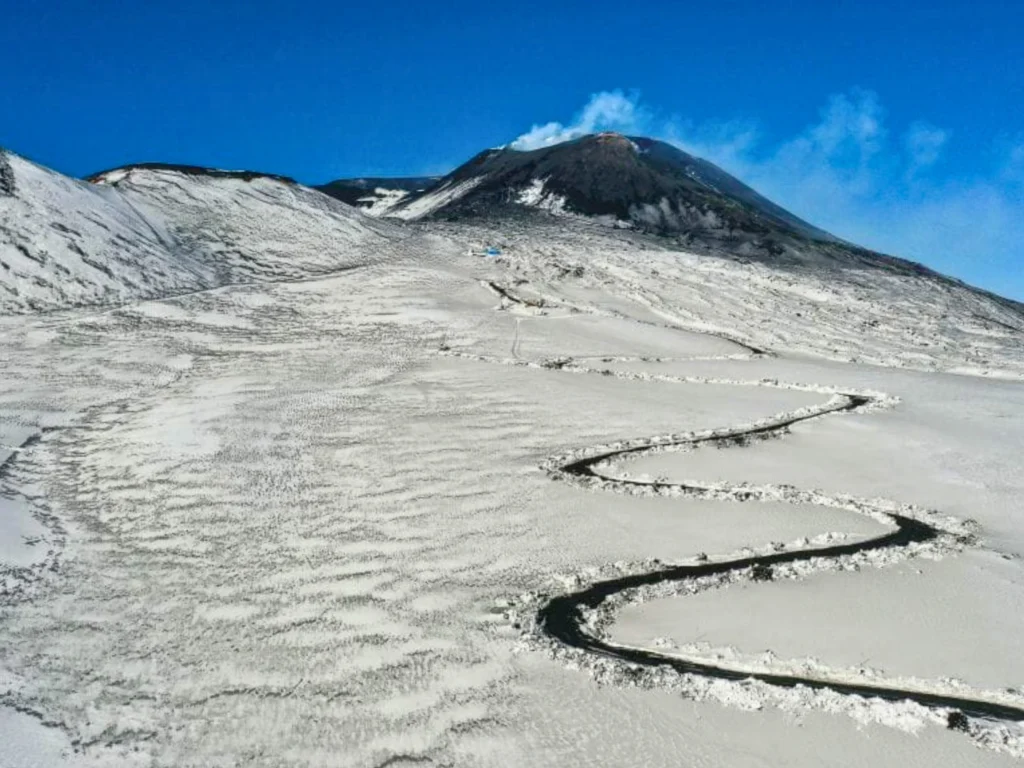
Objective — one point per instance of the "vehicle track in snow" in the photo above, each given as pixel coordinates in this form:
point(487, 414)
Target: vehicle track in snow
point(572, 624)
point(562, 617)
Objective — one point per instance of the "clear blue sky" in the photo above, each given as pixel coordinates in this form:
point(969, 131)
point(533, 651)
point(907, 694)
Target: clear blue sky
point(319, 90)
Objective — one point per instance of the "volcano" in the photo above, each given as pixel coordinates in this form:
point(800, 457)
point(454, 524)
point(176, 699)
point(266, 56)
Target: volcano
point(626, 181)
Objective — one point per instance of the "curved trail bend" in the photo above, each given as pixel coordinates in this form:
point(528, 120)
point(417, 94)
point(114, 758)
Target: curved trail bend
point(573, 624)
point(561, 617)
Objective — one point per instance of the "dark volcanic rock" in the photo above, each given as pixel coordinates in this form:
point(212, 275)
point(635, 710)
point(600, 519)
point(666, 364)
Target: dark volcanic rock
point(6, 175)
point(647, 183)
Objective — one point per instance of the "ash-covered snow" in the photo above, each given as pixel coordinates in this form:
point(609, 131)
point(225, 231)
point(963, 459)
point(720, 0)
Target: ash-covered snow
point(535, 196)
point(381, 201)
point(434, 199)
point(286, 508)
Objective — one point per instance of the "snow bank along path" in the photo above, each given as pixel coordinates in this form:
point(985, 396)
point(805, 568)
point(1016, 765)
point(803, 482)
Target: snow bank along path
point(572, 625)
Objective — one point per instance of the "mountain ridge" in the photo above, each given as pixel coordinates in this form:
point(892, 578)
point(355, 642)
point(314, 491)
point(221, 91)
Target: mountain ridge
point(116, 174)
point(159, 232)
point(501, 182)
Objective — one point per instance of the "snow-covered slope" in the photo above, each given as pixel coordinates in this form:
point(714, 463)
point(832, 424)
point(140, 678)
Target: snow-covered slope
point(154, 231)
point(65, 242)
point(260, 228)
point(823, 300)
point(330, 521)
point(304, 523)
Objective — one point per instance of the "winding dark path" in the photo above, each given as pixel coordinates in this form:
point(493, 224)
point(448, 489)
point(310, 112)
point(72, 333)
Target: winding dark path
point(561, 617)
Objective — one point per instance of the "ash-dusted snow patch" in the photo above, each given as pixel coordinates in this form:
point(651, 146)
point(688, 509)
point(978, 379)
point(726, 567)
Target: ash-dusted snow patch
point(536, 196)
point(434, 200)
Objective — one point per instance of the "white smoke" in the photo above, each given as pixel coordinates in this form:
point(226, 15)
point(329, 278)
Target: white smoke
point(924, 144)
point(606, 111)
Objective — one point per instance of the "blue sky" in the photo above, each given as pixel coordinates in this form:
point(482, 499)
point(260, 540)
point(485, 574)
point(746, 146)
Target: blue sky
point(895, 124)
